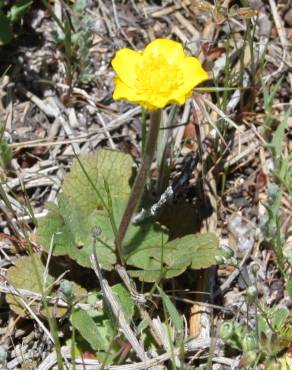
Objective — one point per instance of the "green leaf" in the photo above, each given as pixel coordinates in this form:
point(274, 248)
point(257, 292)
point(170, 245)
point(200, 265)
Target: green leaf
point(277, 140)
point(113, 166)
point(289, 288)
point(97, 329)
point(199, 249)
point(152, 274)
point(69, 232)
point(279, 318)
point(262, 324)
point(28, 273)
point(98, 186)
point(5, 152)
point(18, 9)
point(88, 329)
point(171, 259)
point(5, 30)
point(173, 313)
point(72, 236)
point(145, 250)
point(125, 301)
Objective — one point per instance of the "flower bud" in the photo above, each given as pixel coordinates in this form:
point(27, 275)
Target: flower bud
point(226, 251)
point(220, 260)
point(251, 293)
point(254, 268)
point(66, 288)
point(249, 342)
point(226, 330)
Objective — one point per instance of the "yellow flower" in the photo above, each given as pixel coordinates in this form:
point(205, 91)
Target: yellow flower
point(159, 75)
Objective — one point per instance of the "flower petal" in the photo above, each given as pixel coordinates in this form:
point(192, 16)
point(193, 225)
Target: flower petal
point(159, 102)
point(123, 91)
point(178, 99)
point(171, 50)
point(193, 73)
point(124, 64)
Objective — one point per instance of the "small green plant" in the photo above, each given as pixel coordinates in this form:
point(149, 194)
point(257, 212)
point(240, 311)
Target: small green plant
point(95, 194)
point(99, 194)
point(264, 343)
point(10, 14)
point(5, 150)
point(271, 224)
point(74, 38)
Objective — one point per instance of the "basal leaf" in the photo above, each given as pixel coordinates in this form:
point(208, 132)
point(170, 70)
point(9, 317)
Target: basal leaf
point(125, 301)
point(201, 249)
point(69, 231)
point(172, 258)
point(104, 165)
point(172, 311)
point(86, 326)
point(97, 329)
point(289, 288)
point(152, 274)
point(28, 274)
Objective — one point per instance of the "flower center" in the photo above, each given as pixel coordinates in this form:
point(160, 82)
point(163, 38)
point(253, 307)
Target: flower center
point(155, 76)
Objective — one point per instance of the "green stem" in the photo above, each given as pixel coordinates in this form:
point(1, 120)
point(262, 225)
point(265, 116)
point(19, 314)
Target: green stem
point(138, 187)
point(144, 129)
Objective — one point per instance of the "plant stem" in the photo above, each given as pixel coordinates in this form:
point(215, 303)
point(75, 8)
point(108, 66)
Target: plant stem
point(138, 187)
point(144, 130)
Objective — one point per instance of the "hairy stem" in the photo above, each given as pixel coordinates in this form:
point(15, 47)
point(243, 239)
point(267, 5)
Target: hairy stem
point(138, 187)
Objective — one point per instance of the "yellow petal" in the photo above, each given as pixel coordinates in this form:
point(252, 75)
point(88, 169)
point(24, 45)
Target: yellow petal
point(123, 91)
point(178, 99)
point(193, 73)
point(171, 50)
point(159, 102)
point(124, 64)
point(156, 101)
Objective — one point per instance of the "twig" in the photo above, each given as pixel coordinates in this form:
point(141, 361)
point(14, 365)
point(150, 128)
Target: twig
point(147, 364)
point(221, 113)
point(111, 126)
point(107, 134)
point(113, 304)
point(9, 289)
point(13, 290)
point(141, 301)
point(282, 36)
